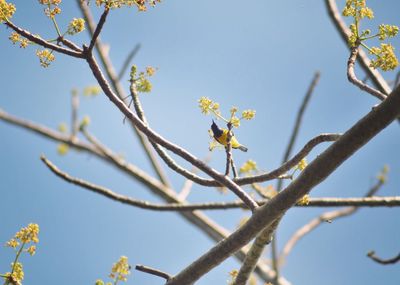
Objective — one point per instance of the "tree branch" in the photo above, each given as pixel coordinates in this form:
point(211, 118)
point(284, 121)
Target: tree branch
point(38, 40)
point(379, 260)
point(153, 271)
point(98, 29)
point(351, 76)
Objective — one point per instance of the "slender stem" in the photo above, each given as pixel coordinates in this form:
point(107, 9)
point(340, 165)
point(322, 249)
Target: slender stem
point(377, 259)
point(153, 271)
point(351, 76)
point(17, 256)
point(98, 29)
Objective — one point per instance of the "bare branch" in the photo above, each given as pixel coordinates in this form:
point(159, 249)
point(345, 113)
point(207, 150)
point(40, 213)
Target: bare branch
point(379, 260)
point(363, 59)
point(74, 113)
point(153, 271)
point(318, 170)
point(38, 40)
point(98, 29)
point(69, 44)
point(351, 76)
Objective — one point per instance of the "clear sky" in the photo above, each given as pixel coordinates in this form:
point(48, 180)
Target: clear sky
point(259, 55)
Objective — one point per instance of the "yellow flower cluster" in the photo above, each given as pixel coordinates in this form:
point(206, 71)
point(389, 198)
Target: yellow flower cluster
point(304, 201)
point(357, 9)
point(141, 81)
point(140, 4)
point(46, 57)
point(248, 114)
point(93, 90)
point(25, 235)
point(121, 269)
point(387, 31)
point(62, 149)
point(77, 25)
point(17, 274)
point(7, 10)
point(248, 166)
point(207, 106)
point(385, 56)
point(51, 11)
point(15, 38)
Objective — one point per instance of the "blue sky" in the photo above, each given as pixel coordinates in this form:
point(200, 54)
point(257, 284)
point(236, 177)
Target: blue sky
point(259, 55)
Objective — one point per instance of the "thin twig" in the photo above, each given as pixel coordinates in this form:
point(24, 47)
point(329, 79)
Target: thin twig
point(325, 217)
point(38, 40)
point(363, 59)
point(74, 113)
point(228, 150)
point(379, 260)
point(351, 76)
point(153, 271)
point(98, 29)
point(70, 44)
point(127, 61)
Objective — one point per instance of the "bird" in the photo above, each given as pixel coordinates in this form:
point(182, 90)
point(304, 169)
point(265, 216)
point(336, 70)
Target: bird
point(221, 136)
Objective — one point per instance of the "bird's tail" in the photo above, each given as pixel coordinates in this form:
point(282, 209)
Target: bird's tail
point(242, 148)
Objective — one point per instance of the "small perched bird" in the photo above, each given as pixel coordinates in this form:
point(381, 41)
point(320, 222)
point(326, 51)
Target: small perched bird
point(221, 136)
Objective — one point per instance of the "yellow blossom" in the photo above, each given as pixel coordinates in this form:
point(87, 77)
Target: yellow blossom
point(121, 269)
point(248, 166)
point(62, 127)
point(12, 243)
point(235, 121)
point(150, 71)
point(385, 57)
point(31, 250)
point(248, 114)
point(387, 31)
point(17, 274)
point(205, 104)
point(77, 25)
point(24, 43)
point(14, 37)
point(7, 10)
point(45, 56)
point(62, 149)
point(92, 90)
point(28, 234)
point(143, 85)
